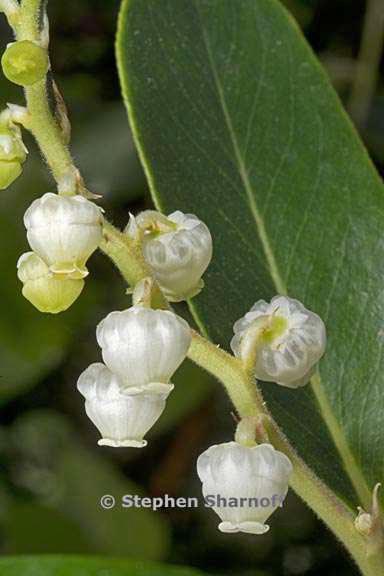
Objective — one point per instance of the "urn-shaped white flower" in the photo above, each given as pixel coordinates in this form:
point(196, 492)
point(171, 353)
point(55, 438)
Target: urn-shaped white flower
point(64, 231)
point(178, 249)
point(144, 347)
point(122, 418)
point(284, 340)
point(244, 485)
point(48, 292)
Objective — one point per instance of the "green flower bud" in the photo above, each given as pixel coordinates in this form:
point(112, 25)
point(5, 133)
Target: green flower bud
point(25, 62)
point(12, 154)
point(9, 171)
point(11, 144)
point(46, 291)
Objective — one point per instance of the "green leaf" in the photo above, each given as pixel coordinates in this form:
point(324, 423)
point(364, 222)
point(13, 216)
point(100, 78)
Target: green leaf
point(236, 122)
point(83, 566)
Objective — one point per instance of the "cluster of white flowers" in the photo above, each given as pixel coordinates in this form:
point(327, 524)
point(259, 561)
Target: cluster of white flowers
point(63, 232)
point(279, 342)
point(141, 348)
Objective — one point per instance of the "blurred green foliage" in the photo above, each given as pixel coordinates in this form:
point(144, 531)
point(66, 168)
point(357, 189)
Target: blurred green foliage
point(52, 474)
point(66, 566)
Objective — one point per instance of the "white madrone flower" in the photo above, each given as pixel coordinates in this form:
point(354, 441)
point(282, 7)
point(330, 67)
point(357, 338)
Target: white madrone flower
point(284, 340)
point(178, 249)
point(259, 475)
point(144, 347)
point(122, 417)
point(64, 231)
point(48, 292)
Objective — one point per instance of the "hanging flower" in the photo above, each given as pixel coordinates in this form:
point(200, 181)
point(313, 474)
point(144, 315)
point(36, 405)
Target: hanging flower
point(144, 347)
point(122, 417)
point(244, 485)
point(64, 232)
point(284, 340)
point(178, 249)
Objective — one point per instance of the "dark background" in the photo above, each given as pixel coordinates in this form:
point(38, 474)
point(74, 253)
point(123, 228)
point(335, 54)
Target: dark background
point(52, 473)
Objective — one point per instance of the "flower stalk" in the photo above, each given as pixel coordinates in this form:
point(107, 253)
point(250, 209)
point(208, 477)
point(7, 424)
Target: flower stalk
point(25, 21)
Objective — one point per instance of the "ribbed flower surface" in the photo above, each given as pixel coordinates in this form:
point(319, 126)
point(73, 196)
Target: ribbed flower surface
point(143, 346)
point(64, 231)
point(122, 419)
point(233, 471)
point(179, 257)
point(286, 339)
point(48, 292)
point(31, 267)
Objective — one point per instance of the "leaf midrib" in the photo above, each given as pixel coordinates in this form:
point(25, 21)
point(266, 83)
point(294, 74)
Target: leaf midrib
point(353, 471)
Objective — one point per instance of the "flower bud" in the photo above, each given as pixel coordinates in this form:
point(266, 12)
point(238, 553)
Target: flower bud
point(11, 143)
point(121, 417)
point(370, 524)
point(12, 154)
point(178, 248)
point(46, 291)
point(144, 347)
point(364, 523)
point(25, 62)
point(64, 231)
point(244, 485)
point(283, 340)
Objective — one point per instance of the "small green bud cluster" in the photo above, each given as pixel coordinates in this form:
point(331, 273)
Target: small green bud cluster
point(25, 62)
point(12, 153)
point(124, 396)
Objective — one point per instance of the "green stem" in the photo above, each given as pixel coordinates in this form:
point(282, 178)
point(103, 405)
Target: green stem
point(40, 121)
point(244, 395)
point(47, 132)
point(28, 26)
point(124, 253)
